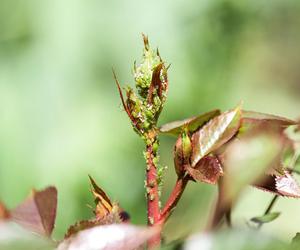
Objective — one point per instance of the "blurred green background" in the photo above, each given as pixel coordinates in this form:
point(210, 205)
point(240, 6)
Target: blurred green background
point(60, 115)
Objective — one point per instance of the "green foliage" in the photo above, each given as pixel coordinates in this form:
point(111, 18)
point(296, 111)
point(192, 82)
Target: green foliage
point(266, 218)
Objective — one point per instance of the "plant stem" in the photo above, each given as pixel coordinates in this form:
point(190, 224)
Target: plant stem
point(153, 211)
point(222, 208)
point(174, 198)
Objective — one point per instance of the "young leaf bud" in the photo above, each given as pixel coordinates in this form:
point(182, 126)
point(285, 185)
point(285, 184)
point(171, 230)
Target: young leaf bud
point(182, 153)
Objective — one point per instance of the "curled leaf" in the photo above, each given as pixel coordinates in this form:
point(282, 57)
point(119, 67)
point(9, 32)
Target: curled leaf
point(114, 236)
point(266, 218)
point(191, 124)
point(37, 213)
point(207, 170)
point(104, 205)
point(214, 134)
point(106, 211)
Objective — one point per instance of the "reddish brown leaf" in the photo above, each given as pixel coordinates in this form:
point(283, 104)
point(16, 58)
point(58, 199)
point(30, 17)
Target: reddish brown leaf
point(214, 134)
point(284, 185)
point(191, 124)
point(207, 170)
point(4, 213)
point(109, 237)
point(107, 212)
point(104, 206)
point(37, 213)
point(156, 83)
point(251, 119)
point(252, 115)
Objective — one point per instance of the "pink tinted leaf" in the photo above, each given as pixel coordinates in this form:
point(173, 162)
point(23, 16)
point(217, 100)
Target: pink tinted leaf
point(114, 237)
point(207, 170)
point(192, 124)
point(284, 185)
point(215, 133)
point(267, 117)
point(251, 119)
point(37, 213)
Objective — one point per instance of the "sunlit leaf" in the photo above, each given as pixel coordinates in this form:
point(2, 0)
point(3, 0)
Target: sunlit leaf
point(106, 210)
point(215, 133)
point(37, 213)
point(114, 237)
point(287, 186)
point(207, 170)
point(266, 218)
point(104, 205)
point(192, 124)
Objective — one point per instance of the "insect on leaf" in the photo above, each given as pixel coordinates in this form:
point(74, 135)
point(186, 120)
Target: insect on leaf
point(266, 218)
point(215, 133)
point(192, 123)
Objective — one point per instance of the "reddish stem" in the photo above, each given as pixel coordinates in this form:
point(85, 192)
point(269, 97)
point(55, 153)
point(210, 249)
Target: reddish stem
point(174, 198)
point(152, 196)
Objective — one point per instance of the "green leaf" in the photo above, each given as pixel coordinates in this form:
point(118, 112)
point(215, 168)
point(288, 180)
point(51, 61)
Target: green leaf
point(296, 239)
point(215, 133)
point(191, 124)
point(266, 218)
